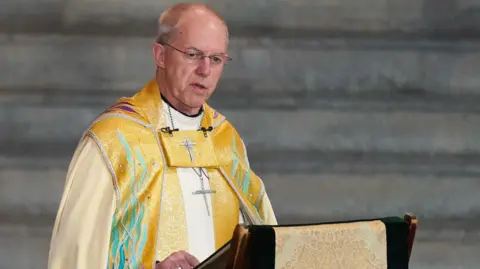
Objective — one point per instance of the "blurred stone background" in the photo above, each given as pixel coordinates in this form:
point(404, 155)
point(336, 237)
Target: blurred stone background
point(349, 108)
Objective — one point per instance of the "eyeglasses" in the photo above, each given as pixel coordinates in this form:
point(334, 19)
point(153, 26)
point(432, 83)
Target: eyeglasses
point(197, 55)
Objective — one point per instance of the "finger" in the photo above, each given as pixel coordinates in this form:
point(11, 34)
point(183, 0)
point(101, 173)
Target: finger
point(183, 264)
point(192, 261)
point(166, 264)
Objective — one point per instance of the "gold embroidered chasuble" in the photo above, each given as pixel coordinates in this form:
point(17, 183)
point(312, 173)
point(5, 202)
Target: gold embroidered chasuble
point(149, 215)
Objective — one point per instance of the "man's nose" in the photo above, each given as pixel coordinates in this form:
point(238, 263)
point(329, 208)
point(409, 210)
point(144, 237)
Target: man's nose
point(204, 67)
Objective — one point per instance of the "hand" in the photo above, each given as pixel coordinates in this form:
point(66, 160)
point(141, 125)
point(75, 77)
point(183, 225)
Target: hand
point(178, 260)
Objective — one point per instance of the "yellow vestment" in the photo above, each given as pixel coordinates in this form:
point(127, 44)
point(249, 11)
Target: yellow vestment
point(122, 205)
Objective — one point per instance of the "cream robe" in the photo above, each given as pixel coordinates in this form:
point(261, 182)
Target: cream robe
point(81, 233)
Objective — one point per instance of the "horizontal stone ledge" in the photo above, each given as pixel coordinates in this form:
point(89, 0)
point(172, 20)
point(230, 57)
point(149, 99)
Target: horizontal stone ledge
point(320, 196)
point(276, 66)
point(316, 162)
point(44, 157)
point(232, 95)
point(336, 197)
point(457, 18)
point(463, 231)
point(21, 250)
point(436, 248)
point(303, 129)
point(316, 42)
point(41, 24)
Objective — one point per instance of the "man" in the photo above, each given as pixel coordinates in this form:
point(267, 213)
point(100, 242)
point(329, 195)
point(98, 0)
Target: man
point(160, 179)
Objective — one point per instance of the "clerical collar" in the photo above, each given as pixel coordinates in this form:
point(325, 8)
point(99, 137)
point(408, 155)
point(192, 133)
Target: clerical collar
point(186, 115)
point(178, 120)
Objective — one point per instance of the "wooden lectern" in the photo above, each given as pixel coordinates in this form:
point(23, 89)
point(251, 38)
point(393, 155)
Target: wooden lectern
point(384, 243)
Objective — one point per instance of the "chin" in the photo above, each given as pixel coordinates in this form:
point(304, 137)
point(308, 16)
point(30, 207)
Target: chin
point(198, 103)
point(199, 99)
point(194, 102)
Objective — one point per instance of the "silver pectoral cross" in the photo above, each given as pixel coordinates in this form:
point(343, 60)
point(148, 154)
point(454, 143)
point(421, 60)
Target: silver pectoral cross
point(189, 146)
point(204, 192)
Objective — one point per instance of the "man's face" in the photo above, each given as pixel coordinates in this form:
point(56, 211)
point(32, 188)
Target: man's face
point(190, 77)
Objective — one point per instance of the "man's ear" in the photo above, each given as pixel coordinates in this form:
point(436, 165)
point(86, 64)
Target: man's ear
point(159, 55)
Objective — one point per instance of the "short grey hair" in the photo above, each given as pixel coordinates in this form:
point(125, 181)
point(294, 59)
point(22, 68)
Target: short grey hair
point(165, 33)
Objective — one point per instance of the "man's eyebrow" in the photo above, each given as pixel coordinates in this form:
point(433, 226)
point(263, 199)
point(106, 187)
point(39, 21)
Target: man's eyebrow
point(200, 51)
point(195, 49)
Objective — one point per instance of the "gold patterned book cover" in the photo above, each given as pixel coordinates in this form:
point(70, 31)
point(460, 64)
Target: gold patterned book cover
point(384, 243)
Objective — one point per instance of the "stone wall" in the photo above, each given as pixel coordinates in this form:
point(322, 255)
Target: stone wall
point(349, 109)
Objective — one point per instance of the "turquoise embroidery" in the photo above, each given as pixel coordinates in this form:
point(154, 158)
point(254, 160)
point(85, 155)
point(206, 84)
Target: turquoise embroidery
point(127, 247)
point(234, 155)
point(242, 181)
point(246, 182)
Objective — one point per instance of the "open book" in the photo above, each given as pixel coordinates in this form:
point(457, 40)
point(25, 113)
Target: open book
point(384, 243)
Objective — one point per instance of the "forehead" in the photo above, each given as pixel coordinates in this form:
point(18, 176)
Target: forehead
point(205, 33)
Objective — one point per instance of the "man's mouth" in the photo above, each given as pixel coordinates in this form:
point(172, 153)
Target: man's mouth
point(199, 86)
